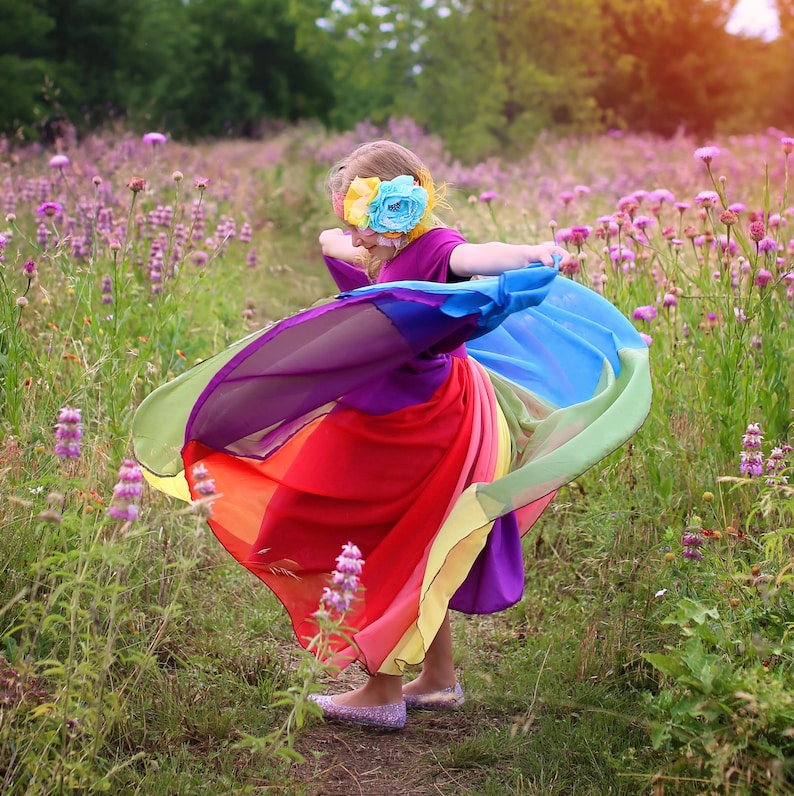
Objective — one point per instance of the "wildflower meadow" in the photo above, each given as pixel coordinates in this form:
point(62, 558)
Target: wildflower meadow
point(653, 651)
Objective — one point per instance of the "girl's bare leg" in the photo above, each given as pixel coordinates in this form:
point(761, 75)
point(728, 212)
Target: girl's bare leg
point(380, 689)
point(438, 671)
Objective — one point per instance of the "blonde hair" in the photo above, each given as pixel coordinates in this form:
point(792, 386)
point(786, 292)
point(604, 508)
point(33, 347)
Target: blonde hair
point(383, 159)
point(386, 160)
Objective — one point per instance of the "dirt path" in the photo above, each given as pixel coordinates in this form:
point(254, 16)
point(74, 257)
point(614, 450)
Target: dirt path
point(348, 760)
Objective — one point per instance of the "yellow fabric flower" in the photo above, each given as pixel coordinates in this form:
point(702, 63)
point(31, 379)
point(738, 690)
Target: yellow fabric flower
point(360, 193)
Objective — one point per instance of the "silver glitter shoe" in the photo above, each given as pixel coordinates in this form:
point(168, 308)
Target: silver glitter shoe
point(446, 699)
point(385, 717)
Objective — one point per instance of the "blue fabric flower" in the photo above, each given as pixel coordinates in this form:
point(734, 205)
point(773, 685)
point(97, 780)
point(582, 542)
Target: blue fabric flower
point(398, 206)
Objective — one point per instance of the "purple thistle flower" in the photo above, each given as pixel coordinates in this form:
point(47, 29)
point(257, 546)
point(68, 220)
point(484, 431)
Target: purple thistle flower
point(763, 277)
point(707, 198)
point(59, 162)
point(29, 269)
point(661, 195)
point(488, 196)
point(68, 433)
point(707, 153)
point(643, 222)
point(645, 313)
point(767, 244)
point(154, 138)
point(124, 505)
point(49, 209)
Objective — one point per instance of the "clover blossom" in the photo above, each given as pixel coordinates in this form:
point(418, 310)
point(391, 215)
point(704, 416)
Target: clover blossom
point(345, 579)
point(126, 492)
point(68, 433)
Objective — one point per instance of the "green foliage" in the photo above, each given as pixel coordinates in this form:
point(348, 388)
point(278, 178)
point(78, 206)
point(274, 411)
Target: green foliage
point(489, 76)
point(531, 67)
point(625, 667)
point(728, 701)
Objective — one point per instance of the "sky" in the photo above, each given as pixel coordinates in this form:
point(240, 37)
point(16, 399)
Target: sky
point(755, 18)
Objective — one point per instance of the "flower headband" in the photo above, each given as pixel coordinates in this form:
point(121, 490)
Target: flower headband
point(399, 210)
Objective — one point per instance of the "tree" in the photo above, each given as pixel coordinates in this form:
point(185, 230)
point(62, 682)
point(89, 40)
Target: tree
point(243, 68)
point(672, 65)
point(495, 73)
point(22, 67)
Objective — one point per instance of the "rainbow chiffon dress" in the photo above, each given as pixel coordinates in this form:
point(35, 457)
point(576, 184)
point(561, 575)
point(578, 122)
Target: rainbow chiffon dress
point(428, 423)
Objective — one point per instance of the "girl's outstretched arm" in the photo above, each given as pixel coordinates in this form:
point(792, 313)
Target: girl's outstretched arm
point(488, 259)
point(335, 243)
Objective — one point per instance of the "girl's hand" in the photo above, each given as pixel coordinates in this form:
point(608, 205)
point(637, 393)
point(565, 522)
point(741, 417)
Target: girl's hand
point(542, 253)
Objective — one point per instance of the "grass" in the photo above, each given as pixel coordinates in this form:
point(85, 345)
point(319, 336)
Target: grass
point(138, 658)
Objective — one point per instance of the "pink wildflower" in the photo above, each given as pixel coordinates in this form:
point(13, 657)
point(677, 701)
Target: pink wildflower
point(345, 581)
point(68, 433)
point(645, 313)
point(154, 138)
point(49, 209)
point(126, 492)
point(763, 277)
point(707, 153)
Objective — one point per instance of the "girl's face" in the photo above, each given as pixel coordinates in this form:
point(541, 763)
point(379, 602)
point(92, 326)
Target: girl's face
point(368, 239)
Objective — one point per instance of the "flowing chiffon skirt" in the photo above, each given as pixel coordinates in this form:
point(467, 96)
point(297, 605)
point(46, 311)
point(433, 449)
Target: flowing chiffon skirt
point(365, 419)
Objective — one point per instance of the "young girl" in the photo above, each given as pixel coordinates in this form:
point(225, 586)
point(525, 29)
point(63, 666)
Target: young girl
point(426, 417)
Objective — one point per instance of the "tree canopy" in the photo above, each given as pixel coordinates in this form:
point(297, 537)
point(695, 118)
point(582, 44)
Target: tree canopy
point(487, 75)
